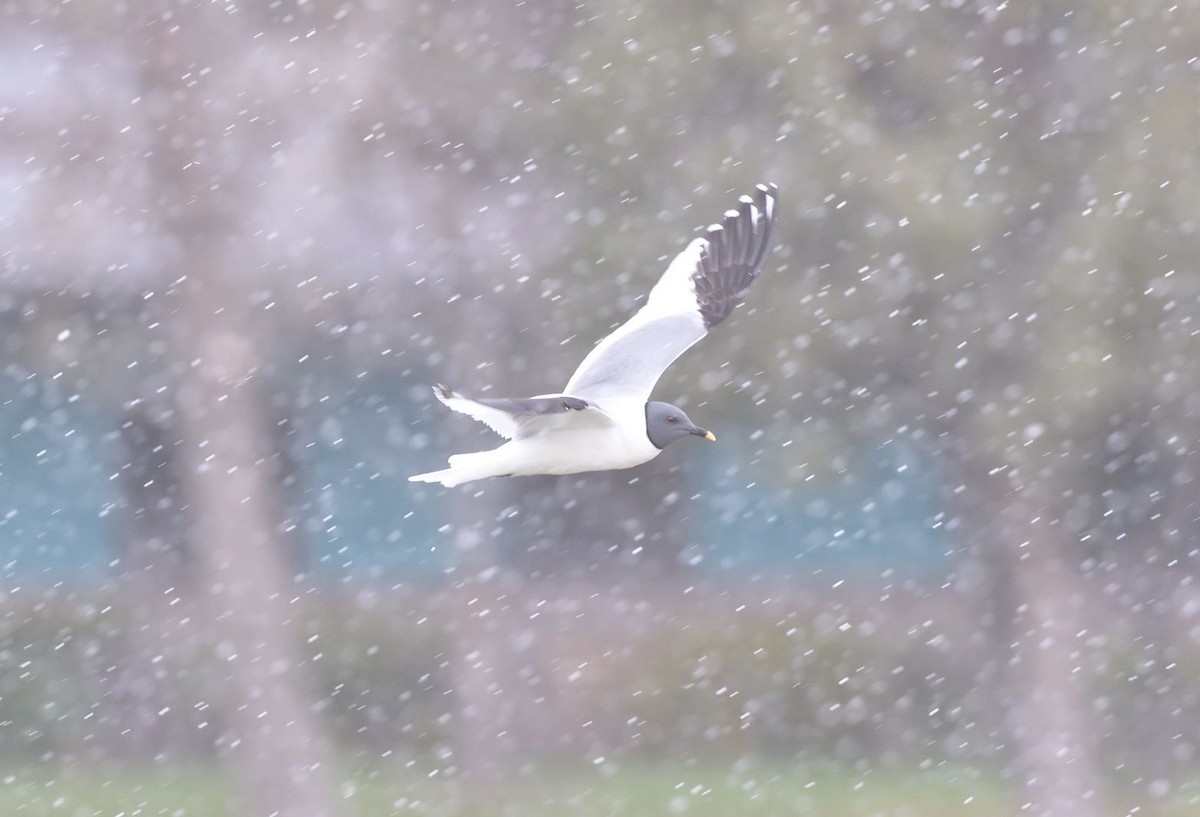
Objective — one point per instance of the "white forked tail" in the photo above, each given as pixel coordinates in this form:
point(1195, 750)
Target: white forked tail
point(465, 468)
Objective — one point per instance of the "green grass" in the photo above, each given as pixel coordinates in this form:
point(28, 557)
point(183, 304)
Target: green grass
point(192, 792)
point(713, 792)
point(608, 791)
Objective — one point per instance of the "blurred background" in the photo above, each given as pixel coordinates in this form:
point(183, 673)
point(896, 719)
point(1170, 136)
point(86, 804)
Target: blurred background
point(942, 561)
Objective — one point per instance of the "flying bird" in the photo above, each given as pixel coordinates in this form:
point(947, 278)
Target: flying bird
point(604, 418)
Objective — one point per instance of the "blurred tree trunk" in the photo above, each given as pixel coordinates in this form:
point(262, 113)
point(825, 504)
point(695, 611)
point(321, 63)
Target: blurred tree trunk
point(492, 695)
point(273, 736)
point(1050, 718)
point(195, 98)
point(1033, 599)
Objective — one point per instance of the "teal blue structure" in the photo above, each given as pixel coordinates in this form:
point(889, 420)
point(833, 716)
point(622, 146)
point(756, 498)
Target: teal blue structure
point(356, 518)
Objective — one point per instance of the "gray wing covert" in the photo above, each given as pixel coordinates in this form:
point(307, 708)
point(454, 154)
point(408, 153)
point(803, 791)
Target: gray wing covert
point(518, 417)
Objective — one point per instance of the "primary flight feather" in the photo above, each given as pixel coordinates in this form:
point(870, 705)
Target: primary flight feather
point(604, 418)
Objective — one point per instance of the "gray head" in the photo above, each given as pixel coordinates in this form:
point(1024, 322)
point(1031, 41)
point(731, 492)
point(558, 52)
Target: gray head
point(666, 423)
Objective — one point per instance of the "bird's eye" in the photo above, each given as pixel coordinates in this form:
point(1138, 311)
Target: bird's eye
point(672, 419)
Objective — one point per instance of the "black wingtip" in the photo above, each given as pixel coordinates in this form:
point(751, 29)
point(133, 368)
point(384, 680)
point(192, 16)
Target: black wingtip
point(734, 253)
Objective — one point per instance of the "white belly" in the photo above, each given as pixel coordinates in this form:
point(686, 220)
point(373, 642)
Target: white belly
point(578, 450)
point(603, 446)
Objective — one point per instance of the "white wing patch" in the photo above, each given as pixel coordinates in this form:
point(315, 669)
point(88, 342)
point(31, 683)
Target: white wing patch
point(675, 290)
point(498, 421)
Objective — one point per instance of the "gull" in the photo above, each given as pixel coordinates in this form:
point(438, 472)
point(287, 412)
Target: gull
point(604, 418)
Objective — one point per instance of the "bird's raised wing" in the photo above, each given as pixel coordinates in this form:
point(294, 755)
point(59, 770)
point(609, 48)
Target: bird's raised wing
point(527, 416)
point(699, 290)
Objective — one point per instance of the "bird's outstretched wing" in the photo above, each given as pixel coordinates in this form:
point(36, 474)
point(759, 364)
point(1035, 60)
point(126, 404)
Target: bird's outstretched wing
point(527, 416)
point(699, 290)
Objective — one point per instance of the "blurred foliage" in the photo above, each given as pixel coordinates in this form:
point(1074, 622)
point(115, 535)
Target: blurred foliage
point(986, 256)
point(632, 680)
